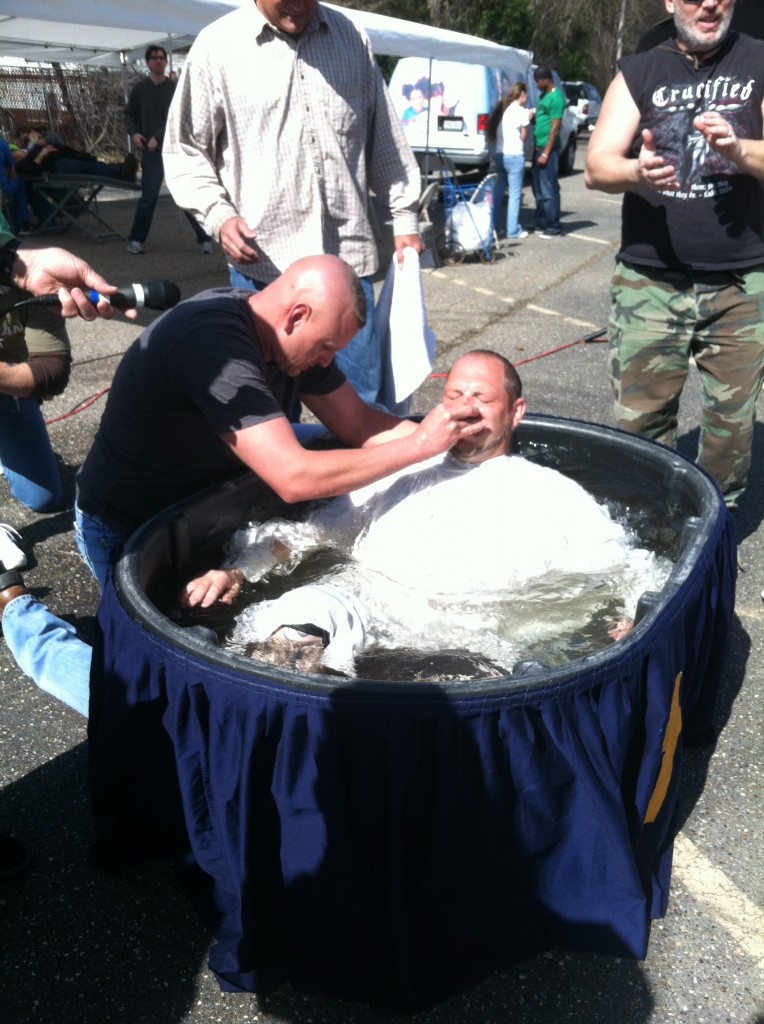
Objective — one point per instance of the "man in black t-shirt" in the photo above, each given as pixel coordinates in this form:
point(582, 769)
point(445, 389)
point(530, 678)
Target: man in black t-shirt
point(680, 134)
point(202, 394)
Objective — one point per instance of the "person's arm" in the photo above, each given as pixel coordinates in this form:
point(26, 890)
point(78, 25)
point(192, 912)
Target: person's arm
point(41, 376)
point(747, 154)
point(54, 271)
point(133, 119)
point(16, 380)
point(190, 146)
point(216, 586)
point(276, 545)
point(554, 131)
point(393, 172)
point(609, 164)
point(354, 423)
point(295, 473)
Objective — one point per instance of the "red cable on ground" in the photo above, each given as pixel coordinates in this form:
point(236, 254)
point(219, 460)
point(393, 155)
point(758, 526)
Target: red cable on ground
point(84, 404)
point(594, 336)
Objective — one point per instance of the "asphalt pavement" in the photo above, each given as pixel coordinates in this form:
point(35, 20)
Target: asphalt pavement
point(85, 947)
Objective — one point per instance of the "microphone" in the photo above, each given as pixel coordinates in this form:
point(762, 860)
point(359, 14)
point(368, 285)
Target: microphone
point(155, 294)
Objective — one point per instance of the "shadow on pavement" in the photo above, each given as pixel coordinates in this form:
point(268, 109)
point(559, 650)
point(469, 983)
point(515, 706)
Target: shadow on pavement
point(82, 945)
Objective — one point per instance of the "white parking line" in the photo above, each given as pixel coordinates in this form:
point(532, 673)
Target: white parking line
point(730, 907)
point(590, 238)
point(561, 316)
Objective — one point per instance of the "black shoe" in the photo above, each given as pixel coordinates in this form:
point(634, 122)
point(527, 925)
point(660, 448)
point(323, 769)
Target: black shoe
point(129, 169)
point(13, 858)
point(11, 586)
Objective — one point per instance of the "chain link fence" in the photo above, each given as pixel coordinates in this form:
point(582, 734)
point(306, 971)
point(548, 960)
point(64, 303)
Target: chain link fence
point(84, 105)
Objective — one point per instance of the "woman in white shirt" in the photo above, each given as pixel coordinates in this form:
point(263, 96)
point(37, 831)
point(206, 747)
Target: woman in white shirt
point(507, 131)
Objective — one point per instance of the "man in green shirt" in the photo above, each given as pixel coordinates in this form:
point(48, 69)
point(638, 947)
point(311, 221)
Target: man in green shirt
point(546, 154)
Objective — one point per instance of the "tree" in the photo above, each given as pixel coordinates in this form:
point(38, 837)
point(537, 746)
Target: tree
point(579, 38)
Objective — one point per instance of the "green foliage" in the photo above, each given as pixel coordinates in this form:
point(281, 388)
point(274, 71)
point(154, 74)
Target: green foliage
point(509, 22)
point(579, 38)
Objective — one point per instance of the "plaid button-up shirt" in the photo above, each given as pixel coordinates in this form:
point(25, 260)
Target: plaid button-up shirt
point(289, 133)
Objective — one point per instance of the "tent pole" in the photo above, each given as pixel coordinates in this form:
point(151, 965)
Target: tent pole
point(425, 179)
point(125, 93)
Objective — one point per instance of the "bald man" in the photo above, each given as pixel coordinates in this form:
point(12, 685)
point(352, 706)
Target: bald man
point(199, 396)
point(204, 390)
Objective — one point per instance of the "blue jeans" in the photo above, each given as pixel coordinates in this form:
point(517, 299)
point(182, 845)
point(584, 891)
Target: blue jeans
point(99, 545)
point(500, 190)
point(48, 650)
point(514, 171)
point(546, 192)
point(15, 194)
point(27, 456)
point(152, 176)
point(361, 359)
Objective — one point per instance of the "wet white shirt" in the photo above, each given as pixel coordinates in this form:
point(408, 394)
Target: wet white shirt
point(440, 551)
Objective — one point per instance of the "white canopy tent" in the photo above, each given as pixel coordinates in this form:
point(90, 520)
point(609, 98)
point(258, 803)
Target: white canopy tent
point(109, 31)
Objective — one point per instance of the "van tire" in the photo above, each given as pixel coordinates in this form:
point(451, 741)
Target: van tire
point(568, 156)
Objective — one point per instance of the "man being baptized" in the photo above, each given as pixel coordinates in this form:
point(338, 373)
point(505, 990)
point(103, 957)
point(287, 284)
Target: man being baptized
point(457, 552)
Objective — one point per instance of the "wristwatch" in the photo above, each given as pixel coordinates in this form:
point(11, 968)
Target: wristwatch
point(7, 259)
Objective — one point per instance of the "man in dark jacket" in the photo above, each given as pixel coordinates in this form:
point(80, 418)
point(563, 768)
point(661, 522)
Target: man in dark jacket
point(145, 120)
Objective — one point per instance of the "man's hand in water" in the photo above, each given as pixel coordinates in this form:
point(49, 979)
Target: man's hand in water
point(218, 586)
point(618, 630)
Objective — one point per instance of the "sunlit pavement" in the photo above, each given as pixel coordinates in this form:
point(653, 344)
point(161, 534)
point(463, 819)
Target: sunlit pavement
point(79, 945)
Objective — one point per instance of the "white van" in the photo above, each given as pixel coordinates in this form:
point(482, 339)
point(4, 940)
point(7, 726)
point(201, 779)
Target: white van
point(447, 104)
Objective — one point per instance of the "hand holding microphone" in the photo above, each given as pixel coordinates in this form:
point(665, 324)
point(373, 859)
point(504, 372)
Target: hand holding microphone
point(155, 294)
point(60, 274)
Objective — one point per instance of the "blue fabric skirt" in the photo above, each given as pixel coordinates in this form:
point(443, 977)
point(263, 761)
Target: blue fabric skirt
point(395, 844)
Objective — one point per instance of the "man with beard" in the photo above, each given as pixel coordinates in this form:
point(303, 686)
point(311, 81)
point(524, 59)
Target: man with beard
point(438, 547)
point(680, 134)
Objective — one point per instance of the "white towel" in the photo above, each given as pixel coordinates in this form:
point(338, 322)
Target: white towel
point(405, 339)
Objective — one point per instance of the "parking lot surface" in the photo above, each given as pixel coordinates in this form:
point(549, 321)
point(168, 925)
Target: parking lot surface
point(85, 946)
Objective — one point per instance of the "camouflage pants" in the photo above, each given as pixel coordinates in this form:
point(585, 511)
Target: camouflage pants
point(660, 319)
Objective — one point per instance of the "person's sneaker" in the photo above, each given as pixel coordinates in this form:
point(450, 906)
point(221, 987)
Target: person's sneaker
point(13, 857)
point(549, 234)
point(135, 247)
point(11, 554)
point(206, 248)
point(520, 234)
